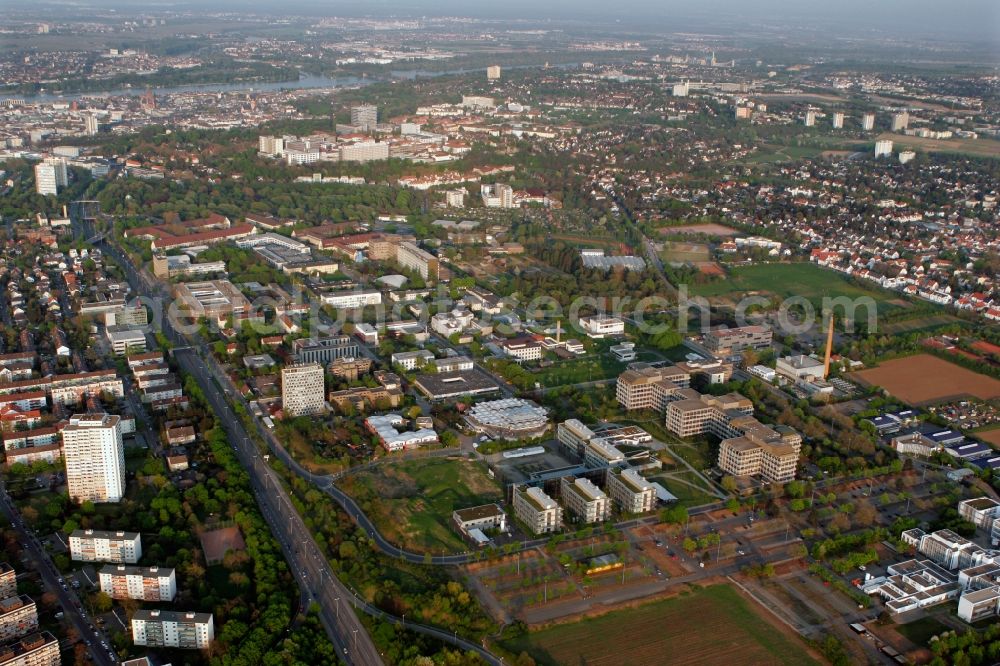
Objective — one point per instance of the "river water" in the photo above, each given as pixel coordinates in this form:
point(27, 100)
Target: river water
point(304, 82)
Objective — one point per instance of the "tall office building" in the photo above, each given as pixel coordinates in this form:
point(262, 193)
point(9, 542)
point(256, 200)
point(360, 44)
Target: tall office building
point(868, 122)
point(493, 73)
point(90, 124)
point(900, 121)
point(838, 120)
point(364, 116)
point(302, 390)
point(95, 458)
point(50, 175)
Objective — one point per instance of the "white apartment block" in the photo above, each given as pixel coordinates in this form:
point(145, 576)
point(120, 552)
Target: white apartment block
point(602, 326)
point(364, 116)
point(573, 435)
point(631, 492)
point(980, 511)
point(411, 360)
point(50, 175)
point(161, 628)
point(584, 500)
point(41, 649)
point(105, 546)
point(94, 457)
point(144, 583)
point(537, 510)
point(364, 151)
point(350, 300)
point(303, 390)
point(446, 324)
point(497, 195)
point(521, 349)
point(601, 453)
point(411, 257)
point(883, 148)
point(8, 581)
point(18, 616)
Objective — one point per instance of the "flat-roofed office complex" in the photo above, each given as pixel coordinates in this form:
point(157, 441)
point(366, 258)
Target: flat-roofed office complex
point(645, 387)
point(731, 341)
point(748, 448)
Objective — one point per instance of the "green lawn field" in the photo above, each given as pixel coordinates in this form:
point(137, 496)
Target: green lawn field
point(713, 625)
point(411, 501)
point(785, 280)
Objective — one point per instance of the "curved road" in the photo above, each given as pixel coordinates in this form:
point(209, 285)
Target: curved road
point(308, 563)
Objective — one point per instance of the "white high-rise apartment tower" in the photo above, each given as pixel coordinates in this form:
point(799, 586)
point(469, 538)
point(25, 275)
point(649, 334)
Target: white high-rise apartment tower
point(302, 390)
point(95, 458)
point(868, 122)
point(364, 116)
point(900, 121)
point(50, 175)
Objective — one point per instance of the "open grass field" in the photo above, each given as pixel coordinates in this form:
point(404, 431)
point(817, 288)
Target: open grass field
point(925, 323)
point(977, 147)
point(588, 369)
point(923, 379)
point(786, 280)
point(709, 229)
point(919, 632)
point(686, 487)
point(678, 631)
point(411, 501)
point(684, 252)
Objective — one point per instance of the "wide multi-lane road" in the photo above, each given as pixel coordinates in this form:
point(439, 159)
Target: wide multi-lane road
point(309, 565)
point(95, 639)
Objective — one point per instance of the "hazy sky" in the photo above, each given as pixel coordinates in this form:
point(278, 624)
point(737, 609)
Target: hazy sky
point(948, 18)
